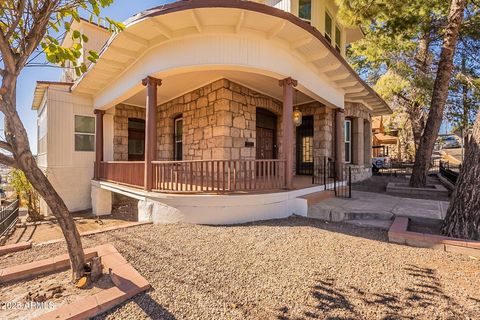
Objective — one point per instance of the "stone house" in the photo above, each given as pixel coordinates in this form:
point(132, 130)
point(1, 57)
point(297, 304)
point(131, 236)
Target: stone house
point(209, 112)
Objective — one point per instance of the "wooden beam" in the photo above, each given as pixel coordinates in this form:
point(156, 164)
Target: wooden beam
point(358, 95)
point(135, 38)
point(301, 42)
point(164, 30)
point(317, 56)
point(125, 52)
point(344, 84)
point(116, 64)
point(340, 76)
point(196, 21)
point(355, 89)
point(331, 67)
point(276, 30)
point(240, 22)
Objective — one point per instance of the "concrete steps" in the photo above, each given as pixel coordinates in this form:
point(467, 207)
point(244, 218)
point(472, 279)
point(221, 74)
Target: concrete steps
point(320, 208)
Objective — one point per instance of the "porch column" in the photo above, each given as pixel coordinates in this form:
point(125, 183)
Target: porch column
point(288, 84)
point(358, 136)
point(98, 142)
point(367, 153)
point(150, 128)
point(339, 140)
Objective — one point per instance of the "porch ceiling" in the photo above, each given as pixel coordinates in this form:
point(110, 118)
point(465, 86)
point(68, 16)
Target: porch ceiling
point(177, 85)
point(187, 19)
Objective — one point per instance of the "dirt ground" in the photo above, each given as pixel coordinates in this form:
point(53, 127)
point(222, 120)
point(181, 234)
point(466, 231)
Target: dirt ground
point(124, 212)
point(294, 268)
point(34, 297)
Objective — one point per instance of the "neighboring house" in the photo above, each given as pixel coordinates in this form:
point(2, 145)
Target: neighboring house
point(191, 111)
point(385, 144)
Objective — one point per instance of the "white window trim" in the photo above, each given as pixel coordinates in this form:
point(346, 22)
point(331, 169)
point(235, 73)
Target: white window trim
point(85, 133)
point(335, 37)
point(304, 19)
point(331, 35)
point(348, 141)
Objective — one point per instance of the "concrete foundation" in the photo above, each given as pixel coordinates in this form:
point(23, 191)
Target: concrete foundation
point(101, 201)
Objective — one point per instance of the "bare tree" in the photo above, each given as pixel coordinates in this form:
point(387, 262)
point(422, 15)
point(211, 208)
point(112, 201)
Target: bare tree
point(26, 26)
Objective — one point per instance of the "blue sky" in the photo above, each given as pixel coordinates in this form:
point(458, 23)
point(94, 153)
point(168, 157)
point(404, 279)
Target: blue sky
point(119, 11)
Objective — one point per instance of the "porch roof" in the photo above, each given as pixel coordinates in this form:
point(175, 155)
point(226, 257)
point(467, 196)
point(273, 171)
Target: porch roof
point(183, 19)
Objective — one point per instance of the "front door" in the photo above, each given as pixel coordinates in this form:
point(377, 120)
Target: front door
point(265, 143)
point(304, 146)
point(136, 139)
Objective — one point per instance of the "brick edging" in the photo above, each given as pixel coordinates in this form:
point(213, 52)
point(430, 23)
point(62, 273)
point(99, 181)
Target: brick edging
point(15, 247)
point(128, 282)
point(398, 233)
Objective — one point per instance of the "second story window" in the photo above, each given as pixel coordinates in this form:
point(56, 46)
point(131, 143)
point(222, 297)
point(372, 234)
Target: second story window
point(328, 27)
point(305, 10)
point(338, 39)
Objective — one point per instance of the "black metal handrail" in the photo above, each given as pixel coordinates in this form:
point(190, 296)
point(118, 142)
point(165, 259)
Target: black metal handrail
point(326, 172)
point(8, 217)
point(447, 173)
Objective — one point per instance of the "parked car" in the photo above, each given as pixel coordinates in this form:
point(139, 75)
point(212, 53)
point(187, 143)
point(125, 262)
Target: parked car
point(450, 142)
point(381, 163)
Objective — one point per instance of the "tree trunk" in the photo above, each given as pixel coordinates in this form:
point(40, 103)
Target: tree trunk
point(463, 215)
point(418, 123)
point(440, 92)
point(16, 136)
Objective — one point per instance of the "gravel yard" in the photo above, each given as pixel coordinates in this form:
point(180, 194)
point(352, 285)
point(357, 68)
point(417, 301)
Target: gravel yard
point(294, 268)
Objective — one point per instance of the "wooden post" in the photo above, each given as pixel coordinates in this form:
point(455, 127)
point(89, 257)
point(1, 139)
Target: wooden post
point(150, 128)
point(98, 142)
point(339, 142)
point(288, 84)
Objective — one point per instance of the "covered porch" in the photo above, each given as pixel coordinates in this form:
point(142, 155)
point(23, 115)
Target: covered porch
point(223, 137)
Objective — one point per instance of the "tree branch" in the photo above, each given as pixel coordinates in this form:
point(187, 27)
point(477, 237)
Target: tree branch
point(8, 161)
point(6, 146)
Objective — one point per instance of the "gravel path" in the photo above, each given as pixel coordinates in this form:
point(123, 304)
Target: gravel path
point(294, 268)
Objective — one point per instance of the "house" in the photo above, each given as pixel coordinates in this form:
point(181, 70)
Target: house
point(385, 144)
point(209, 112)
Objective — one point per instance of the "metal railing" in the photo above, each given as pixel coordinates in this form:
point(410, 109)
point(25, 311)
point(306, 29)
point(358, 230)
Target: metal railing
point(448, 173)
point(337, 178)
point(8, 217)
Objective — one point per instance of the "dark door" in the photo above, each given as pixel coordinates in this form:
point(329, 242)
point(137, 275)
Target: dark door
point(265, 143)
point(136, 140)
point(304, 146)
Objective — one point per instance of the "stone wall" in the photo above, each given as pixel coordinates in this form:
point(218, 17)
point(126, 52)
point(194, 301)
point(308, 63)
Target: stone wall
point(218, 120)
point(323, 119)
point(361, 140)
point(120, 129)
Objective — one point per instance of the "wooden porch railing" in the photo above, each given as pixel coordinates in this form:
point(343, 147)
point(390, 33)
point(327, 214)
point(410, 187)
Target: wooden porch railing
point(218, 175)
point(130, 173)
point(197, 176)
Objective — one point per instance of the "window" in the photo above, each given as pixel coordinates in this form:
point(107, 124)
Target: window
point(136, 139)
point(305, 10)
point(348, 141)
point(328, 27)
point(178, 139)
point(338, 39)
point(84, 133)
